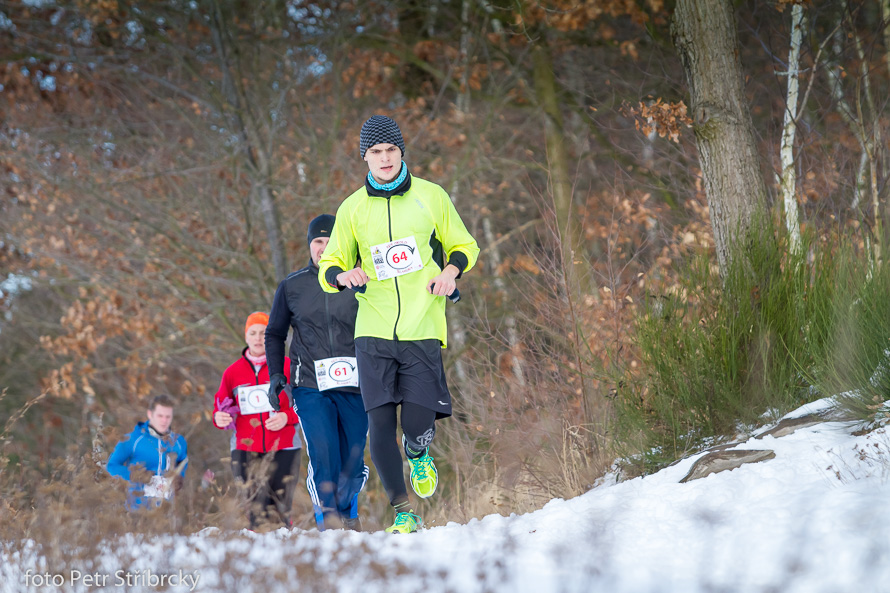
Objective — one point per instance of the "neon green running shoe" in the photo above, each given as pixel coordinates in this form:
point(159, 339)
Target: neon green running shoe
point(405, 522)
point(424, 477)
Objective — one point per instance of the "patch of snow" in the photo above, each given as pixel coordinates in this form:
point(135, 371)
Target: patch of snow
point(811, 520)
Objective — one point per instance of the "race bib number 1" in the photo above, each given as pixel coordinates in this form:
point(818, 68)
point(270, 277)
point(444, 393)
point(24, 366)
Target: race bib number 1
point(396, 258)
point(254, 399)
point(333, 373)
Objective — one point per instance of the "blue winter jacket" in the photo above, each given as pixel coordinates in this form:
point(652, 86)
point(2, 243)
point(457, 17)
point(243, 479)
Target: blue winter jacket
point(157, 454)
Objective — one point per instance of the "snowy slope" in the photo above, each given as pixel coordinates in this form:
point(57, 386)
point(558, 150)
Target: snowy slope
point(815, 518)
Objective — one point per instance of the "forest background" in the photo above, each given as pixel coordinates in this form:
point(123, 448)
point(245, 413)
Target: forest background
point(159, 163)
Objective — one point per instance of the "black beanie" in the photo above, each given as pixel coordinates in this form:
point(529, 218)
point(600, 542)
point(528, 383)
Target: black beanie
point(321, 226)
point(380, 129)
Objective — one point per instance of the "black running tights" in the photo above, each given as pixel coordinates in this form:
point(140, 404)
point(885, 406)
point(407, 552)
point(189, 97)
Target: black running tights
point(385, 447)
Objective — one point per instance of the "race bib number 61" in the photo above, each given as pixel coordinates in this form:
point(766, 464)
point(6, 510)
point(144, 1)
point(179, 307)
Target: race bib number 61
point(333, 373)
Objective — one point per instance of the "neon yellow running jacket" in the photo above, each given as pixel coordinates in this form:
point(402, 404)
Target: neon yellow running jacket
point(398, 308)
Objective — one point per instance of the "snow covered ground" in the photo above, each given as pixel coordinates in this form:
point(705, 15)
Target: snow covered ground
point(814, 519)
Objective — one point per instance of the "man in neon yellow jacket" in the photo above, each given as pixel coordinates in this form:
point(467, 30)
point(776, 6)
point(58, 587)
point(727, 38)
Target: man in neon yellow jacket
point(412, 247)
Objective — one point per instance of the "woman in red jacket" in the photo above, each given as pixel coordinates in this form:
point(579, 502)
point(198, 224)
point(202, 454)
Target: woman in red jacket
point(266, 457)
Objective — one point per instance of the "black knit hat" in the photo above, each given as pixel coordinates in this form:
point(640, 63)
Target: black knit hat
point(380, 129)
point(321, 226)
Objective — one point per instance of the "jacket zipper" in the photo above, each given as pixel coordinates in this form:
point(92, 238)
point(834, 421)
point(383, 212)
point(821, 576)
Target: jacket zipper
point(395, 336)
point(256, 378)
point(327, 318)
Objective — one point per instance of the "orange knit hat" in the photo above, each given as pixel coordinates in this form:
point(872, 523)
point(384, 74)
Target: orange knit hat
point(254, 318)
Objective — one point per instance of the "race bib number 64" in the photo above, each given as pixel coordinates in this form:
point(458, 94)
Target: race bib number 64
point(396, 258)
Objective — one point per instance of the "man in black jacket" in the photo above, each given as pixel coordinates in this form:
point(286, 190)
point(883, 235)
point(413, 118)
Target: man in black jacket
point(325, 383)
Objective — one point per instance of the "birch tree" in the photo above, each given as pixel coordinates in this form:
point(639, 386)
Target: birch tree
point(788, 179)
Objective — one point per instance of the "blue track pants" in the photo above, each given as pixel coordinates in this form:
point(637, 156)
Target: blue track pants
point(335, 427)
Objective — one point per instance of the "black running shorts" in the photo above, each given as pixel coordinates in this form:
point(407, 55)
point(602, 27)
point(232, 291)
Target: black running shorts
point(410, 371)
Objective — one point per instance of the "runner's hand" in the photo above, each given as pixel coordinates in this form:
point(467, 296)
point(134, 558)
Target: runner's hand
point(444, 282)
point(351, 278)
point(222, 419)
point(276, 385)
point(276, 421)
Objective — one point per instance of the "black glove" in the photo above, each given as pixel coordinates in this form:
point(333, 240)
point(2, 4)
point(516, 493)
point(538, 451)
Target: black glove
point(277, 383)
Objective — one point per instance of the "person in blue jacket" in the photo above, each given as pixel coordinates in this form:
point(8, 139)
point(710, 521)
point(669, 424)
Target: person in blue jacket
point(152, 447)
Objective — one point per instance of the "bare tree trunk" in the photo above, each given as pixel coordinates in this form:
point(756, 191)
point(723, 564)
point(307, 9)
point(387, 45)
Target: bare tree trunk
point(885, 22)
point(258, 160)
point(462, 105)
point(866, 133)
point(573, 257)
point(871, 134)
point(704, 32)
point(458, 333)
point(792, 216)
point(860, 180)
point(463, 99)
point(494, 258)
point(848, 115)
point(575, 266)
point(496, 25)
